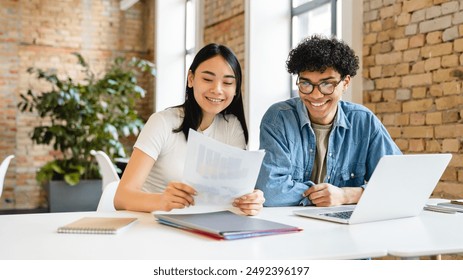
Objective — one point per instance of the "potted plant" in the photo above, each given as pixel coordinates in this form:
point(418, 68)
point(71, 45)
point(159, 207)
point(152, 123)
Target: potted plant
point(80, 116)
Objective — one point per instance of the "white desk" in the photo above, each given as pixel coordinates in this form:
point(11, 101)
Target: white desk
point(33, 236)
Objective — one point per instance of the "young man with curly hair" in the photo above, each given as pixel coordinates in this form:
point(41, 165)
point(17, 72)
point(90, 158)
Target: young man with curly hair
point(320, 150)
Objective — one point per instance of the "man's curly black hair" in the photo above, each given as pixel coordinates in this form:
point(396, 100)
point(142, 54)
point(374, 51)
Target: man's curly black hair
point(317, 53)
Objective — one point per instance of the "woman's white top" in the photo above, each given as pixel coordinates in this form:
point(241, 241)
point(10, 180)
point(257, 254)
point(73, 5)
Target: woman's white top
point(168, 148)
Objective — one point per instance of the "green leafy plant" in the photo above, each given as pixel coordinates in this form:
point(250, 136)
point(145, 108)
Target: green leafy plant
point(78, 117)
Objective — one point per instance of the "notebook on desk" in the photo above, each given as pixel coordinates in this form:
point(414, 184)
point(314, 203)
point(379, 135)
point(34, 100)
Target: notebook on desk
point(399, 187)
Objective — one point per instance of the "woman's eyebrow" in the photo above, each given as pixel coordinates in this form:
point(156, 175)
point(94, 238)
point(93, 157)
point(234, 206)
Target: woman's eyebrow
point(213, 74)
point(208, 72)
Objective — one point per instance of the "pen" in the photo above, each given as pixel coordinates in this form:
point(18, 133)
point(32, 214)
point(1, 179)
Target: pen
point(457, 202)
point(435, 208)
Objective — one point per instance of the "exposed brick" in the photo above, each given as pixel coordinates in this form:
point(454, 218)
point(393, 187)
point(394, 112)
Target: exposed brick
point(375, 72)
point(433, 38)
point(450, 34)
point(458, 45)
point(388, 107)
point(389, 58)
point(450, 61)
point(449, 7)
point(448, 190)
point(389, 71)
point(411, 55)
point(417, 105)
point(417, 41)
point(393, 82)
point(401, 44)
point(370, 38)
point(411, 29)
point(402, 69)
point(432, 63)
point(418, 67)
point(395, 132)
point(448, 102)
point(418, 132)
point(434, 118)
point(417, 119)
point(418, 16)
point(442, 75)
point(402, 144)
point(450, 174)
point(453, 87)
point(440, 23)
point(437, 50)
point(448, 131)
point(419, 92)
point(417, 80)
point(449, 116)
point(403, 94)
point(413, 5)
point(433, 146)
point(403, 19)
point(432, 12)
point(436, 90)
point(450, 145)
point(416, 145)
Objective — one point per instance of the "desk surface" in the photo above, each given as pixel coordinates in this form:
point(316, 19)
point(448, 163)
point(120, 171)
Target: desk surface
point(34, 236)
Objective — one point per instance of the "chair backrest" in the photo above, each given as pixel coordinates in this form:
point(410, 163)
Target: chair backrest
point(3, 169)
point(106, 203)
point(107, 170)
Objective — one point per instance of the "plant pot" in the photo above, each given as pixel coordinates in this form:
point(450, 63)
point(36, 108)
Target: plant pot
point(81, 197)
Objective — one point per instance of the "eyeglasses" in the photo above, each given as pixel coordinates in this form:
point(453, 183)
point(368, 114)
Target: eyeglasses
point(326, 88)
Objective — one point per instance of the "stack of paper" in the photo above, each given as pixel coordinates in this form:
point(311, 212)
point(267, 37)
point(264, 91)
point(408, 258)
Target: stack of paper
point(224, 225)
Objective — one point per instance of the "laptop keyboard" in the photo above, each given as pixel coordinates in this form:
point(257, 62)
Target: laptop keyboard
point(342, 215)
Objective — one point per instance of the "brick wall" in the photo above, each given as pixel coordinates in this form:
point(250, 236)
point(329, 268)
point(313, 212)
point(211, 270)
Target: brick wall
point(44, 34)
point(224, 24)
point(412, 56)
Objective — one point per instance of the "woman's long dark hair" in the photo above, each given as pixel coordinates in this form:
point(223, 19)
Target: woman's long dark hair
point(192, 112)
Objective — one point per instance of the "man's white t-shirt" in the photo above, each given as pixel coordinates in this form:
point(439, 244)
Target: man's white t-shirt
point(168, 148)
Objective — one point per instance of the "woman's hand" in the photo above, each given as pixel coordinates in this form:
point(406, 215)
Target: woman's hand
point(250, 204)
point(176, 196)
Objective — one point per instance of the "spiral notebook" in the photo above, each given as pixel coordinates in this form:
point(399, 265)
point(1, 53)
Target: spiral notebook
point(97, 225)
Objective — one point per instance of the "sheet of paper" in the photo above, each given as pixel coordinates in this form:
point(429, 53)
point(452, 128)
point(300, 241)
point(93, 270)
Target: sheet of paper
point(219, 172)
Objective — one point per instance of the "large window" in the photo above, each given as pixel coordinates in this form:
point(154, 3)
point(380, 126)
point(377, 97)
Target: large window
point(310, 17)
point(190, 32)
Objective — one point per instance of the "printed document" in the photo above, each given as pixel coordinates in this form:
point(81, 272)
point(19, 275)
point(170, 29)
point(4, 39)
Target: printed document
point(219, 172)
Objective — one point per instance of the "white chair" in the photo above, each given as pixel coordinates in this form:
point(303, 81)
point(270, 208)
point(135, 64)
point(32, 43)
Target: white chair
point(107, 170)
point(3, 169)
point(106, 203)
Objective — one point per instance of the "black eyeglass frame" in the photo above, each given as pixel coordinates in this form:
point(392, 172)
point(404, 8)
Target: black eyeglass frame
point(334, 84)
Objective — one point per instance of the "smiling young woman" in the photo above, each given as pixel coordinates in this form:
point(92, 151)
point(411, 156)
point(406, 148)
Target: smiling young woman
point(213, 105)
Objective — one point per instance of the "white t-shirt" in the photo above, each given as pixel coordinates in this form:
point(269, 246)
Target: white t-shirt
point(168, 149)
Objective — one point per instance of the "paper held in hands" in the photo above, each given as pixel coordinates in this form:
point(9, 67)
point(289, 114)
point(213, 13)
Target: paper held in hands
point(219, 172)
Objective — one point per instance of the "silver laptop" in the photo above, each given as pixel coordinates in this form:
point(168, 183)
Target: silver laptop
point(399, 187)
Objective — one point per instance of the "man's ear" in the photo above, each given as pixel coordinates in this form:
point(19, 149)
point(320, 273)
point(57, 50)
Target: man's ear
point(346, 83)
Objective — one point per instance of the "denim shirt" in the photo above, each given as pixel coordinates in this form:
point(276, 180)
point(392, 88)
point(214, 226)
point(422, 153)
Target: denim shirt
point(356, 143)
